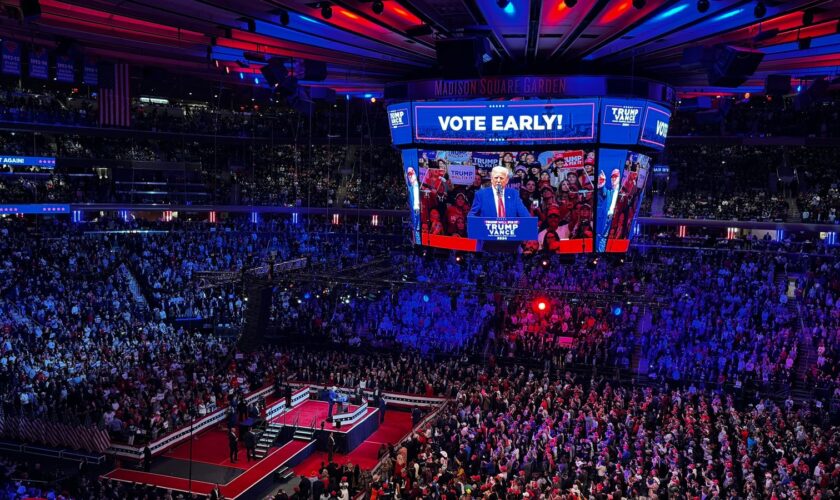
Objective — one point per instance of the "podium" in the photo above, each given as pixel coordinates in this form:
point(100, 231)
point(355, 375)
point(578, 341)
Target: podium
point(502, 228)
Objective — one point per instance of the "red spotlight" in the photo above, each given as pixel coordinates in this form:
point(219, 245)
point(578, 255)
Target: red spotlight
point(540, 305)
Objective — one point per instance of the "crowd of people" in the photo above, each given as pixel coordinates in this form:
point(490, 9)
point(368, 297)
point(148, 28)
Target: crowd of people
point(659, 373)
point(760, 116)
point(762, 183)
point(517, 433)
point(704, 322)
point(188, 115)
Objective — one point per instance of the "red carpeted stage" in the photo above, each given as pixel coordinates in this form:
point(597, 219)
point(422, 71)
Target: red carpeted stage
point(208, 462)
point(314, 413)
point(257, 471)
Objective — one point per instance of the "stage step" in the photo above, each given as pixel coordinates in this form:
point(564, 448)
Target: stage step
point(304, 434)
point(283, 474)
point(267, 439)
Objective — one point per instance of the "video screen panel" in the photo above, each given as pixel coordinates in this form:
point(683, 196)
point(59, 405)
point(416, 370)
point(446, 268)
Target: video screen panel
point(621, 182)
point(505, 122)
point(555, 186)
point(621, 120)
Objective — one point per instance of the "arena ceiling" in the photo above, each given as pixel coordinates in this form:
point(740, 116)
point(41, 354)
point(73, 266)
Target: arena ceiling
point(364, 49)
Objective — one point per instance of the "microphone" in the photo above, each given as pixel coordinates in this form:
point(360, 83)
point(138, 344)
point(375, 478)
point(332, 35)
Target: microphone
point(499, 190)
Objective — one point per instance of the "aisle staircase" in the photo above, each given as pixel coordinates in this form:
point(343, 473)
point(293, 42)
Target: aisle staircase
point(657, 207)
point(133, 286)
point(793, 213)
point(806, 353)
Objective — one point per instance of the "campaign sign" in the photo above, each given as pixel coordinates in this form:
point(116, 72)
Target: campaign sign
point(65, 69)
point(11, 57)
point(38, 63)
point(515, 122)
point(502, 229)
point(655, 127)
point(621, 120)
point(400, 121)
point(462, 175)
point(28, 161)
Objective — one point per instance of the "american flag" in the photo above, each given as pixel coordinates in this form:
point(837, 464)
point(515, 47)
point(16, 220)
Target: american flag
point(114, 99)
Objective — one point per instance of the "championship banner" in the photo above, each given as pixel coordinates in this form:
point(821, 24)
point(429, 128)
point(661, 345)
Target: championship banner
point(90, 72)
point(11, 57)
point(463, 175)
point(65, 69)
point(502, 229)
point(39, 63)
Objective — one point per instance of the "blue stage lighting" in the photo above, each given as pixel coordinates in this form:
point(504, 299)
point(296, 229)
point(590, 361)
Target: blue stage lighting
point(425, 298)
point(671, 12)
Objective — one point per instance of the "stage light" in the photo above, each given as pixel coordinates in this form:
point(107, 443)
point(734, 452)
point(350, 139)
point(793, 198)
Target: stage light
point(570, 3)
point(326, 10)
point(306, 295)
point(702, 6)
point(372, 99)
point(639, 4)
point(760, 9)
point(378, 6)
point(425, 298)
point(617, 311)
point(544, 263)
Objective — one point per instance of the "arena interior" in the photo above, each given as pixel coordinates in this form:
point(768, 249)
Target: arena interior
point(419, 249)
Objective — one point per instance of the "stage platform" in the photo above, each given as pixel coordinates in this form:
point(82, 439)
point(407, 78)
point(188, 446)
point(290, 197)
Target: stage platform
point(312, 413)
point(235, 482)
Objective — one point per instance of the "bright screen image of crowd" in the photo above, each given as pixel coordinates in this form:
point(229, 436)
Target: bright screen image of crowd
point(584, 200)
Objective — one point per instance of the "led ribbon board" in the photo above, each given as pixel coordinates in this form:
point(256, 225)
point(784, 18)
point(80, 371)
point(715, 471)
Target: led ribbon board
point(497, 122)
point(28, 161)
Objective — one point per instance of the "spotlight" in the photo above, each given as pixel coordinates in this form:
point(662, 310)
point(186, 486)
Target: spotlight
point(544, 263)
point(540, 305)
point(378, 6)
point(760, 9)
point(702, 6)
point(570, 3)
point(326, 10)
point(639, 4)
point(502, 3)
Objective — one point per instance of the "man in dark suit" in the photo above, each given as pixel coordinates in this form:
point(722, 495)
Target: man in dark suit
point(147, 458)
point(233, 445)
point(498, 200)
point(250, 445)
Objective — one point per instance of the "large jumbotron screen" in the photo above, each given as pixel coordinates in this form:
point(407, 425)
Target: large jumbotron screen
point(575, 171)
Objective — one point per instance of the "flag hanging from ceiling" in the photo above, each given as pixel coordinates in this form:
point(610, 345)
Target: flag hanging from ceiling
point(114, 100)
